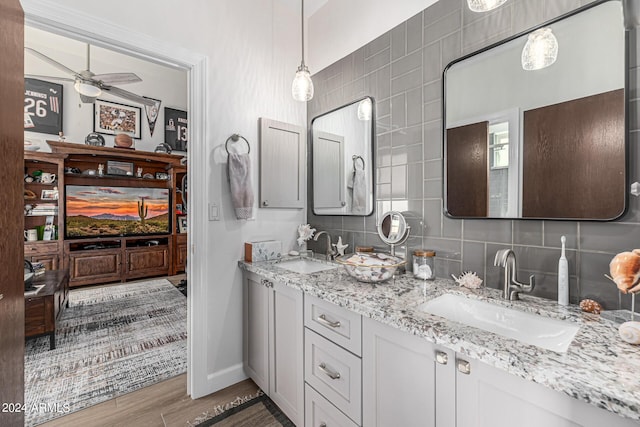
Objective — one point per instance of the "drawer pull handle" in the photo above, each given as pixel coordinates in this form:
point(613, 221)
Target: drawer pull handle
point(441, 357)
point(464, 367)
point(328, 372)
point(323, 319)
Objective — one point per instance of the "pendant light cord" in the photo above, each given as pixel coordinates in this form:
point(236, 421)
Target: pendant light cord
point(302, 20)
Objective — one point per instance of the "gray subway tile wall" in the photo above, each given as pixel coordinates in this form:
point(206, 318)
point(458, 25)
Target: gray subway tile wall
point(402, 70)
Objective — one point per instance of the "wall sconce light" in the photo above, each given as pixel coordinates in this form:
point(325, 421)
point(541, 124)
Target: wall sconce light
point(302, 87)
point(540, 51)
point(484, 5)
point(364, 109)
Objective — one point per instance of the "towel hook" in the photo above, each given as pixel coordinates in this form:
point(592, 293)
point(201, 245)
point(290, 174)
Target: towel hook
point(235, 138)
point(355, 159)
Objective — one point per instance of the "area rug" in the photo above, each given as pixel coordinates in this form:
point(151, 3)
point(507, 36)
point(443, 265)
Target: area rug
point(249, 411)
point(110, 341)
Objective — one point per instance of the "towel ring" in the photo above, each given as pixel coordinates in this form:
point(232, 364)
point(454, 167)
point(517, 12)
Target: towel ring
point(235, 138)
point(355, 159)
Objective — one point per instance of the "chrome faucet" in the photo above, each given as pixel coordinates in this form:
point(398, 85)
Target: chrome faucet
point(330, 253)
point(511, 288)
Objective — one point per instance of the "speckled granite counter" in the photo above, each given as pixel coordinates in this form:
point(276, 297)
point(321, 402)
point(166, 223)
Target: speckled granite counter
point(598, 368)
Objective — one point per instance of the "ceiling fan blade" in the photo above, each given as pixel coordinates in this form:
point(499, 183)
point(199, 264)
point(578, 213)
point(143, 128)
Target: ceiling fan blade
point(117, 78)
point(128, 95)
point(51, 61)
point(62, 79)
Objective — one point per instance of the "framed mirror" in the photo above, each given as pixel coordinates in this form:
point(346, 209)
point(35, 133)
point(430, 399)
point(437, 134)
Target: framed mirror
point(548, 142)
point(342, 159)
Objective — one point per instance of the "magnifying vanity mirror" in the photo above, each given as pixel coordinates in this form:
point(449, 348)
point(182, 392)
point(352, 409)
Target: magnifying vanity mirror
point(393, 229)
point(548, 143)
point(342, 159)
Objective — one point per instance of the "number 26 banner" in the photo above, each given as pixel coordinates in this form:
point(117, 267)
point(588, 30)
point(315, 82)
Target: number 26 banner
point(42, 106)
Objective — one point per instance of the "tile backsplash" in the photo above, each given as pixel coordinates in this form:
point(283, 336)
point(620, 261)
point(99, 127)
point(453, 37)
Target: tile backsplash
point(402, 70)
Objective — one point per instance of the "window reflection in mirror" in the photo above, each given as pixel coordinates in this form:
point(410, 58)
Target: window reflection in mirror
point(525, 144)
point(342, 160)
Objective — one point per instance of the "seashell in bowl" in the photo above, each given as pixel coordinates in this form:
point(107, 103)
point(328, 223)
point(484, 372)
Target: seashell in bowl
point(630, 332)
point(370, 267)
point(625, 271)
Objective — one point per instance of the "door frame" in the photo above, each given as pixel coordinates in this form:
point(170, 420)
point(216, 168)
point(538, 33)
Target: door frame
point(81, 26)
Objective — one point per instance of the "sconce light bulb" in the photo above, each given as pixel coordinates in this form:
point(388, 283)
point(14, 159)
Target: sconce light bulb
point(302, 87)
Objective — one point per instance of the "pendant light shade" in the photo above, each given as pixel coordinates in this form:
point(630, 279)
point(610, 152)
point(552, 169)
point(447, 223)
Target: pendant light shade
point(484, 5)
point(540, 51)
point(302, 87)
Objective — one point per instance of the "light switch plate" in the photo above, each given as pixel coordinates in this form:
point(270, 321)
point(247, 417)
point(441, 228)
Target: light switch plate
point(214, 212)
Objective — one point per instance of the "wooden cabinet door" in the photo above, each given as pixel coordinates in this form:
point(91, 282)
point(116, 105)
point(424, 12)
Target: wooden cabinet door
point(398, 378)
point(286, 347)
point(147, 261)
point(181, 256)
point(98, 266)
point(490, 397)
point(283, 154)
point(50, 261)
point(256, 330)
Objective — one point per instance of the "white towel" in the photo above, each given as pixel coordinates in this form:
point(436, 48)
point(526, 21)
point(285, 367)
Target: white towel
point(239, 169)
point(359, 204)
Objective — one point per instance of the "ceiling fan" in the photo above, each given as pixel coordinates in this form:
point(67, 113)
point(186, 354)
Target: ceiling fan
point(90, 85)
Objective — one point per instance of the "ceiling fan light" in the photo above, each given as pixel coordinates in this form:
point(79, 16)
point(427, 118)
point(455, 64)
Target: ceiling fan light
point(484, 5)
point(87, 89)
point(302, 86)
point(540, 51)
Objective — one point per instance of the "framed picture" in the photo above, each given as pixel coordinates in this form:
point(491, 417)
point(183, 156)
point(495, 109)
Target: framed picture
point(110, 118)
point(176, 128)
point(49, 195)
point(115, 167)
point(42, 106)
point(182, 223)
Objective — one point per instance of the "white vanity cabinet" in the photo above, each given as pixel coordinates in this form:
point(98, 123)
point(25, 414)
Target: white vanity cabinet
point(273, 342)
point(490, 397)
point(407, 381)
point(332, 365)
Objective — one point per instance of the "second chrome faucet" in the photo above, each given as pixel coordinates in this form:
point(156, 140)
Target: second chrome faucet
point(511, 287)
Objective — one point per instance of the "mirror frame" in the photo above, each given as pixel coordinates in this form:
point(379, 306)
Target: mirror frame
point(404, 227)
point(373, 157)
point(626, 116)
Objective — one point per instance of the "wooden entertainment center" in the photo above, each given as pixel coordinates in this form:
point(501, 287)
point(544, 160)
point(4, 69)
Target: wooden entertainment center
point(109, 258)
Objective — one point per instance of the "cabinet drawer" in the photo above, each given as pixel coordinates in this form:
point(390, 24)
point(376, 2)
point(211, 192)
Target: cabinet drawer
point(335, 323)
point(41, 247)
point(319, 412)
point(335, 373)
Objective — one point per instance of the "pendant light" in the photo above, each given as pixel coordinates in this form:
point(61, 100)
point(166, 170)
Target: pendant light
point(540, 51)
point(302, 87)
point(484, 5)
point(365, 109)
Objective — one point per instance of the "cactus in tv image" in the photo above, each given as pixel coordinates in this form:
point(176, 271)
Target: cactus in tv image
point(142, 210)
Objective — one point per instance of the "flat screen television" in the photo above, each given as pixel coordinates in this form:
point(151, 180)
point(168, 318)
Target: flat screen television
point(101, 210)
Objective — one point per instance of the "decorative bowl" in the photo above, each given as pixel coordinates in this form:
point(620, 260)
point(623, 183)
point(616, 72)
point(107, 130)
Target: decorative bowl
point(370, 267)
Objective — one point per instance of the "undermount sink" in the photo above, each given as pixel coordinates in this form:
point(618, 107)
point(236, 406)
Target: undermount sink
point(305, 266)
point(550, 334)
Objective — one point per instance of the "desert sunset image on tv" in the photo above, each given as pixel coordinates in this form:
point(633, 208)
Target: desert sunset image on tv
point(93, 211)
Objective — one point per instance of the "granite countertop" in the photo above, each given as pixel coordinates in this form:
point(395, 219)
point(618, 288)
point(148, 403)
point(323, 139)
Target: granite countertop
point(598, 367)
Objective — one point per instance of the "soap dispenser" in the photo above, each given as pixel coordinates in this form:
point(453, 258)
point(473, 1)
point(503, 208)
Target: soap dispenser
point(563, 276)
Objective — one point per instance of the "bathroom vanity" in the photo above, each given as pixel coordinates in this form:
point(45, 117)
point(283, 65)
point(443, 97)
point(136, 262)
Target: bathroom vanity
point(333, 351)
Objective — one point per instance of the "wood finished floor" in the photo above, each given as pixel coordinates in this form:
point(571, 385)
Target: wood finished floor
point(165, 404)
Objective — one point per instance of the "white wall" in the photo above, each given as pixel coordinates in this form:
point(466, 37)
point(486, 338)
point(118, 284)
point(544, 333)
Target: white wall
point(160, 82)
point(253, 51)
point(340, 27)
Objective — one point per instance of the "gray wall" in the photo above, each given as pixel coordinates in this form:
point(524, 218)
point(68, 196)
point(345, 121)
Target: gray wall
point(402, 70)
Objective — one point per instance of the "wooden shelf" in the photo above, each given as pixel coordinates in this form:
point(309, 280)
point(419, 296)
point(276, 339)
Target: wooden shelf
point(72, 148)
